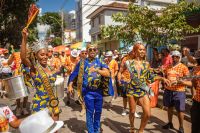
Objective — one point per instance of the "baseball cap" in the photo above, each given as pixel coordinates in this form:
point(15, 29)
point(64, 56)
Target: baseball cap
point(74, 53)
point(176, 53)
point(109, 53)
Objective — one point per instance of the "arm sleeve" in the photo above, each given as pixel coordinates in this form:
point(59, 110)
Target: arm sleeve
point(186, 71)
point(74, 74)
point(103, 64)
point(9, 114)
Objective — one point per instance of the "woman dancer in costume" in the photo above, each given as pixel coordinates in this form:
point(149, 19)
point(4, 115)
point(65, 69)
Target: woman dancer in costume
point(140, 77)
point(42, 77)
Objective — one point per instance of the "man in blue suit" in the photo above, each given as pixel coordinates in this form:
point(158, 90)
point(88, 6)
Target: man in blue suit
point(92, 74)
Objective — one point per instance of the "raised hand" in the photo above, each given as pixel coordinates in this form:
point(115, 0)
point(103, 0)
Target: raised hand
point(25, 33)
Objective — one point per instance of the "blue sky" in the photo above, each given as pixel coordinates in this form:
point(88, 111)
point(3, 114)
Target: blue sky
point(55, 5)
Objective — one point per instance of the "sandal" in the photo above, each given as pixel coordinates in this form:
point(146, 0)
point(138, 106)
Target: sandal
point(131, 130)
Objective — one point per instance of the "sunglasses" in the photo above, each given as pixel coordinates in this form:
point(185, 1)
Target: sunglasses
point(50, 51)
point(84, 53)
point(92, 49)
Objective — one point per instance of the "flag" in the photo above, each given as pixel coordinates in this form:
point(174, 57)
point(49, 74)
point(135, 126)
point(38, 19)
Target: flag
point(33, 11)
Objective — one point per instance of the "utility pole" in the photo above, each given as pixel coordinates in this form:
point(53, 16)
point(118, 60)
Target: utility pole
point(62, 17)
point(62, 27)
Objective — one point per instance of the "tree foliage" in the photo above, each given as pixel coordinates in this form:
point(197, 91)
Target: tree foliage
point(56, 41)
point(13, 17)
point(155, 27)
point(54, 20)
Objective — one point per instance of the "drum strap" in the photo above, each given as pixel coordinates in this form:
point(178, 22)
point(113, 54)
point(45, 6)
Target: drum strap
point(53, 100)
point(80, 81)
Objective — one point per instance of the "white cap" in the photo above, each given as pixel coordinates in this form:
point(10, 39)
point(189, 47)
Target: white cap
point(176, 53)
point(50, 47)
point(40, 122)
point(74, 53)
point(109, 53)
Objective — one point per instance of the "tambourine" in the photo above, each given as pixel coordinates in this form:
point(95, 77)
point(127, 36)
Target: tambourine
point(53, 102)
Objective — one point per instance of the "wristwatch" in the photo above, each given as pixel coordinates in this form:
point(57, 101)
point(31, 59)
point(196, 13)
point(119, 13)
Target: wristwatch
point(53, 102)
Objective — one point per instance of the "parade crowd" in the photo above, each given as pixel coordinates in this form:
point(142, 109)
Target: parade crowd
point(98, 78)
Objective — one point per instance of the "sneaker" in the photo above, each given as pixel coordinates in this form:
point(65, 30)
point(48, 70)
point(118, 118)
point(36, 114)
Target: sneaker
point(124, 112)
point(68, 102)
point(181, 130)
point(18, 111)
point(25, 111)
point(137, 115)
point(168, 126)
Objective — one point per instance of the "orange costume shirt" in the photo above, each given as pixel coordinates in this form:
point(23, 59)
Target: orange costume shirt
point(62, 59)
point(17, 62)
point(70, 64)
point(173, 73)
point(125, 75)
point(56, 63)
point(197, 84)
point(113, 66)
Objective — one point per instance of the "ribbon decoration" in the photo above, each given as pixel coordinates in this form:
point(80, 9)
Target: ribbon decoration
point(33, 11)
point(53, 103)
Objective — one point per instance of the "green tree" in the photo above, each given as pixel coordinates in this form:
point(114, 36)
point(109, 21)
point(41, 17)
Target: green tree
point(155, 28)
point(56, 41)
point(13, 17)
point(54, 20)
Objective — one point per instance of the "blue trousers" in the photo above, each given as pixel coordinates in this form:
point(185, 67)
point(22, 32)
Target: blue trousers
point(93, 102)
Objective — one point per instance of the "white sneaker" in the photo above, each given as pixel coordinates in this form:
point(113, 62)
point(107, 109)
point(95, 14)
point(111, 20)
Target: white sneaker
point(124, 112)
point(18, 111)
point(25, 111)
point(137, 115)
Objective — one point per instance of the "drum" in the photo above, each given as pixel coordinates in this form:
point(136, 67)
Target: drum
point(15, 87)
point(59, 87)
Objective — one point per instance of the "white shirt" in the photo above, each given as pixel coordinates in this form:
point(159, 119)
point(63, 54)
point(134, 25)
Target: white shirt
point(6, 116)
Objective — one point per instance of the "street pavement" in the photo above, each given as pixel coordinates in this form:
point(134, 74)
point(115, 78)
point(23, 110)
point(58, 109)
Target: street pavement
point(111, 120)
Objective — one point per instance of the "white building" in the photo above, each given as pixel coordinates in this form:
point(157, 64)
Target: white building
point(69, 36)
point(70, 20)
point(103, 16)
point(85, 7)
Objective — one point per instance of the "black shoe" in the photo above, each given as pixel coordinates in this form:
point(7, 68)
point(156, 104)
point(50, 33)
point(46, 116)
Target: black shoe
point(181, 130)
point(68, 102)
point(77, 102)
point(168, 126)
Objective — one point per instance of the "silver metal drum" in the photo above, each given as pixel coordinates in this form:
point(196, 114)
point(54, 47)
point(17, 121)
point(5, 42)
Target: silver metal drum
point(15, 87)
point(59, 87)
